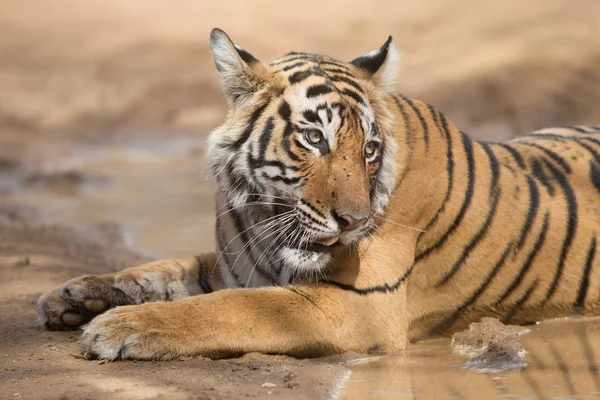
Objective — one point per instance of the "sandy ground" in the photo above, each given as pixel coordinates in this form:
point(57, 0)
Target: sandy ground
point(79, 74)
point(36, 255)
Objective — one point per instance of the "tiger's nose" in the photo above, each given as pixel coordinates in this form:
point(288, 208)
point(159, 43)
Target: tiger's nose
point(348, 222)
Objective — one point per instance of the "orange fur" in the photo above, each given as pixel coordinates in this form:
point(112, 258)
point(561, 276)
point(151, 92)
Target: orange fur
point(470, 229)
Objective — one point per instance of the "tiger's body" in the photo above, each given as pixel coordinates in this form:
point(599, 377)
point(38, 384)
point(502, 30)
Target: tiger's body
point(351, 218)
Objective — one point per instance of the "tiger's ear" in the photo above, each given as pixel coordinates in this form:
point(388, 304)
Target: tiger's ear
point(381, 66)
point(241, 71)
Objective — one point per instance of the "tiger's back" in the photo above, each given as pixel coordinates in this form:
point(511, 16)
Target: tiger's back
point(517, 235)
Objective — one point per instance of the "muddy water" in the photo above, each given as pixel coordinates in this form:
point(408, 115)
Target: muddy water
point(160, 192)
point(562, 364)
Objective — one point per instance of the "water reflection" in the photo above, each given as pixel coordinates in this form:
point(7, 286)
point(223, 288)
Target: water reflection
point(562, 364)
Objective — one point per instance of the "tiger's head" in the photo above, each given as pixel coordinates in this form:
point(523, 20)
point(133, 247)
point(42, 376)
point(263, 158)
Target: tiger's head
point(308, 142)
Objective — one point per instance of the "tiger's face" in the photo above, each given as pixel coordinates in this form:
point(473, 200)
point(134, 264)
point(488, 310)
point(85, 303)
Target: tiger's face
point(307, 146)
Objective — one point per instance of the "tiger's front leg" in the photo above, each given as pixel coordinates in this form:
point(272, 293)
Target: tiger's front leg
point(299, 321)
point(77, 301)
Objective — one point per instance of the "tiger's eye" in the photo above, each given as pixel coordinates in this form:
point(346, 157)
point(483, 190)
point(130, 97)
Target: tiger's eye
point(371, 148)
point(314, 137)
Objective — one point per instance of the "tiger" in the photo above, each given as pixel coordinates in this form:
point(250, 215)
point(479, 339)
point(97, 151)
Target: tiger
point(351, 218)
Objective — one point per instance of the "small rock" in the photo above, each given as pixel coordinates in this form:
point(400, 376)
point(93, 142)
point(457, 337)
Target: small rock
point(289, 376)
point(268, 385)
point(491, 345)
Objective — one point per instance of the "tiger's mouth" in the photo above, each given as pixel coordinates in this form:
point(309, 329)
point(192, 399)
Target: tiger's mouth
point(328, 241)
point(317, 246)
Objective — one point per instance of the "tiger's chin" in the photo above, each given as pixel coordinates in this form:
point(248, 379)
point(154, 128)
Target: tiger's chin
point(302, 260)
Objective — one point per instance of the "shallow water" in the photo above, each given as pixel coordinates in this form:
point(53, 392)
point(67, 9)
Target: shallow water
point(160, 193)
point(561, 357)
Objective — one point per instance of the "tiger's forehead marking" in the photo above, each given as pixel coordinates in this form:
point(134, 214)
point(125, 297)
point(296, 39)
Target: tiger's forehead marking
point(298, 68)
point(325, 93)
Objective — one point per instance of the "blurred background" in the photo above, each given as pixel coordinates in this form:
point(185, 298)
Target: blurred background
point(105, 105)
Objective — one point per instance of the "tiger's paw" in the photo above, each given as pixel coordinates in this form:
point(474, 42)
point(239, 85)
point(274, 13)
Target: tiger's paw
point(77, 302)
point(132, 332)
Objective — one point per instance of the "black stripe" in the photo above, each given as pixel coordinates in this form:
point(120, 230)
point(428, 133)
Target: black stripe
point(575, 128)
point(585, 279)
point(559, 137)
point(420, 116)
point(468, 147)
point(494, 166)
point(594, 165)
point(537, 170)
point(405, 118)
point(436, 118)
point(528, 262)
point(595, 175)
point(285, 112)
point(283, 168)
point(294, 65)
point(313, 208)
point(248, 131)
point(534, 203)
point(449, 321)
point(347, 81)
point(318, 90)
point(341, 71)
point(300, 76)
point(570, 230)
point(203, 280)
point(590, 139)
point(449, 171)
point(558, 159)
point(357, 97)
point(312, 219)
point(591, 150)
point(323, 147)
point(563, 138)
point(278, 178)
point(514, 153)
point(311, 116)
point(300, 57)
point(265, 139)
point(507, 319)
point(385, 288)
point(329, 61)
point(474, 242)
